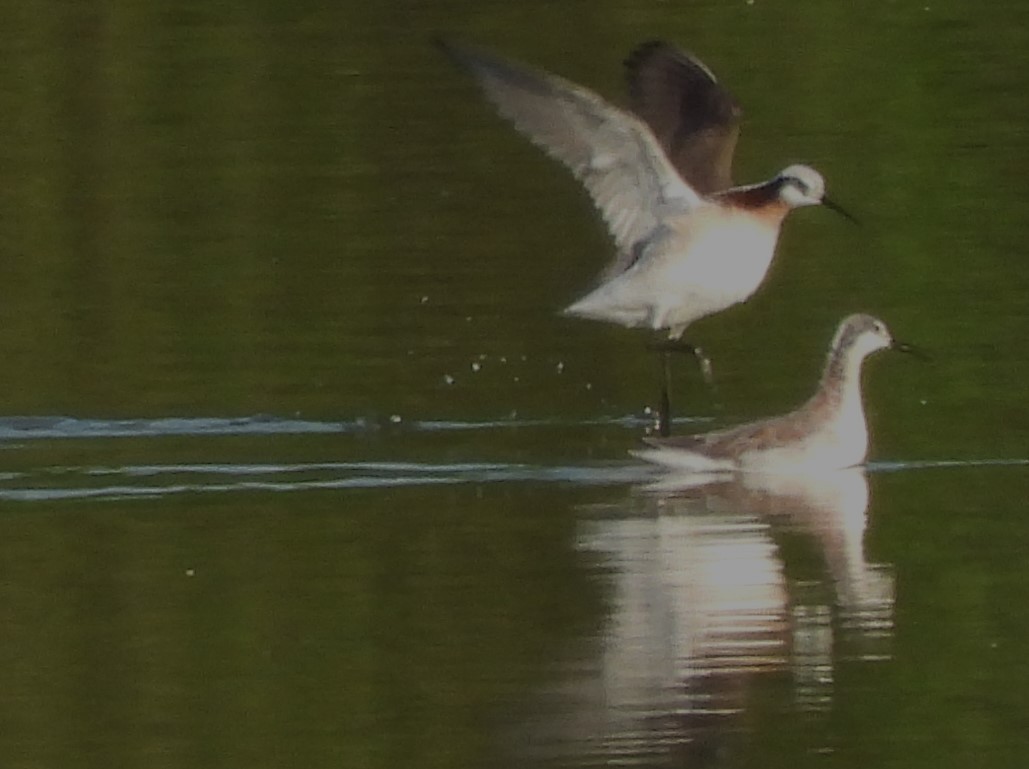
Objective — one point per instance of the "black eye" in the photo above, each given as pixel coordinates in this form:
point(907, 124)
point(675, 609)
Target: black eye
point(801, 185)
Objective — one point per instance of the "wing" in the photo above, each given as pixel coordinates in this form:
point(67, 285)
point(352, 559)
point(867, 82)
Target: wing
point(609, 150)
point(696, 120)
point(731, 442)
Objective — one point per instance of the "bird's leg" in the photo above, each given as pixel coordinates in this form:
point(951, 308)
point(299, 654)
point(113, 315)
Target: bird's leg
point(667, 347)
point(664, 410)
point(703, 361)
point(706, 371)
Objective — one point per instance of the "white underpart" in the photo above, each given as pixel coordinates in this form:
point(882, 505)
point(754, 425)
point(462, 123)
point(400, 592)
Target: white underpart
point(795, 198)
point(698, 264)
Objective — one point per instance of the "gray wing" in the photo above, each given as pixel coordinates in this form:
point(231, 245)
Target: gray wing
point(732, 441)
point(695, 119)
point(609, 150)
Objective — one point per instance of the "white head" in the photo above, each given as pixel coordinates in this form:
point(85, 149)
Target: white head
point(860, 335)
point(801, 186)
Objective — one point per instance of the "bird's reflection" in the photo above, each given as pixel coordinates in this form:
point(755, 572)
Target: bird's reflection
point(704, 604)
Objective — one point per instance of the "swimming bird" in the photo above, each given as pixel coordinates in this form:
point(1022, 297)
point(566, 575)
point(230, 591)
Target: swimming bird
point(688, 243)
point(827, 433)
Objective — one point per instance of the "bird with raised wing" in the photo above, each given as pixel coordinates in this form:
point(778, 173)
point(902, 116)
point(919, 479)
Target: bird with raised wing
point(688, 243)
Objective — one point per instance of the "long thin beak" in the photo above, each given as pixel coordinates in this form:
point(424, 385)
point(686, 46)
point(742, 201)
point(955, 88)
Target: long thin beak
point(834, 206)
point(910, 349)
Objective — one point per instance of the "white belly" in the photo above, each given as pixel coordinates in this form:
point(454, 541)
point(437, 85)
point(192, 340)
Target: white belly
point(701, 264)
point(724, 265)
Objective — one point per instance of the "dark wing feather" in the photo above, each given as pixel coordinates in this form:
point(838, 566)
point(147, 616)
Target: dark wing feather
point(695, 119)
point(609, 150)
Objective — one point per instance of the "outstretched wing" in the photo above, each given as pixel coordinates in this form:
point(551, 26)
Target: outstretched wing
point(695, 119)
point(609, 150)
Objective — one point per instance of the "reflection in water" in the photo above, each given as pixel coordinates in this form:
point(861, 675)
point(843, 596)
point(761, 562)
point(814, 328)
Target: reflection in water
point(702, 606)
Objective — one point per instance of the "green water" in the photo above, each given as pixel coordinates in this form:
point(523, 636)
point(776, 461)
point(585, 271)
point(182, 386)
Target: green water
point(303, 468)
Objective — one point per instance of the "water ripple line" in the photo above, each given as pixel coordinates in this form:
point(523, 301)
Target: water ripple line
point(215, 478)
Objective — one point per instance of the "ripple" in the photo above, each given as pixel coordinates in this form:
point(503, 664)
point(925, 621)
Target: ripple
point(929, 464)
point(44, 427)
point(36, 428)
point(131, 481)
point(43, 480)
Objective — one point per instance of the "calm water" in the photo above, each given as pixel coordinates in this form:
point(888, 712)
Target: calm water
point(302, 467)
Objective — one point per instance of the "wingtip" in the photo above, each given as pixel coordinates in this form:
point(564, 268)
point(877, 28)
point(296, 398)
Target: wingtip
point(637, 58)
point(462, 54)
point(655, 49)
point(642, 50)
point(471, 58)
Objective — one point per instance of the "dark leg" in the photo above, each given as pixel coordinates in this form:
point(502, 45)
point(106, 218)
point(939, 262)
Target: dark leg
point(704, 362)
point(664, 412)
point(666, 347)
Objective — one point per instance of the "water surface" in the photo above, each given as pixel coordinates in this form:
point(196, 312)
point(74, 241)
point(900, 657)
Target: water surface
point(303, 467)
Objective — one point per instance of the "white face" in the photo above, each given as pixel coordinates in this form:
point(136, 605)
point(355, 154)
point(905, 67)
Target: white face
point(802, 186)
point(877, 338)
point(865, 334)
